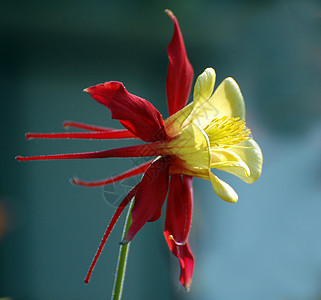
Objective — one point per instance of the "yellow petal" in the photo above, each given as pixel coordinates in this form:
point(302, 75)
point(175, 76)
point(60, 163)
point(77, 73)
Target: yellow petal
point(250, 152)
point(179, 167)
point(227, 100)
point(203, 90)
point(173, 124)
point(227, 160)
point(204, 87)
point(222, 189)
point(190, 146)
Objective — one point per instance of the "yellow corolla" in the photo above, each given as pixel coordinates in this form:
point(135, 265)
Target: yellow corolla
point(210, 133)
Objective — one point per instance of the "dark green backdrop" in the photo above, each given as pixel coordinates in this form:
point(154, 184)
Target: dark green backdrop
point(265, 247)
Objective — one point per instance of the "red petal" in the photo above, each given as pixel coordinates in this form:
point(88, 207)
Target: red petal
point(180, 71)
point(150, 196)
point(179, 208)
point(136, 114)
point(178, 222)
point(186, 261)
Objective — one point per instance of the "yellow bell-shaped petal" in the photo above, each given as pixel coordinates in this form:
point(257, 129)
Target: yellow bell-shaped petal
point(222, 189)
point(191, 146)
point(204, 87)
point(229, 161)
point(227, 100)
point(174, 124)
point(250, 152)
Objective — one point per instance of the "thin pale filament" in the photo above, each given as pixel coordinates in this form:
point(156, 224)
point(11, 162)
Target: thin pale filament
point(178, 243)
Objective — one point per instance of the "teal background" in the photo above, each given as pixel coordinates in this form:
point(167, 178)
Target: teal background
point(267, 246)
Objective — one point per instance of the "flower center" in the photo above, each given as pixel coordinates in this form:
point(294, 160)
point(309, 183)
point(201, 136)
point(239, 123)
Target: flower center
point(226, 131)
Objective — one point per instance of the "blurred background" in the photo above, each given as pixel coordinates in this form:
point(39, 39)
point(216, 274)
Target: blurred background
point(267, 246)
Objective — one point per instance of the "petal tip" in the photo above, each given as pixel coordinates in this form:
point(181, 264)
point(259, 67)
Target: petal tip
point(65, 124)
point(231, 197)
point(74, 180)
point(233, 201)
point(22, 158)
point(169, 13)
point(210, 70)
point(186, 283)
point(28, 136)
point(187, 286)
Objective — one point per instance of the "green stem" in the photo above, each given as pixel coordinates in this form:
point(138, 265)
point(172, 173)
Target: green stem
point(122, 259)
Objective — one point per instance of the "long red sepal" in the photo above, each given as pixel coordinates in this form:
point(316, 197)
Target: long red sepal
point(131, 151)
point(138, 170)
point(79, 125)
point(180, 71)
point(112, 134)
point(110, 227)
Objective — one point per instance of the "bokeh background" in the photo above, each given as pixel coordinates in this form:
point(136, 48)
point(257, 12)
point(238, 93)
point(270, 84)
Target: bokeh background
point(267, 246)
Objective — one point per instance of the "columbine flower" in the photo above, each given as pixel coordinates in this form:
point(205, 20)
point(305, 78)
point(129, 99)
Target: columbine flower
point(209, 133)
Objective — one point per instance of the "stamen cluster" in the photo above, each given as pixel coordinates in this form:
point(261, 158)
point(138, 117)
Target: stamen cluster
point(227, 131)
